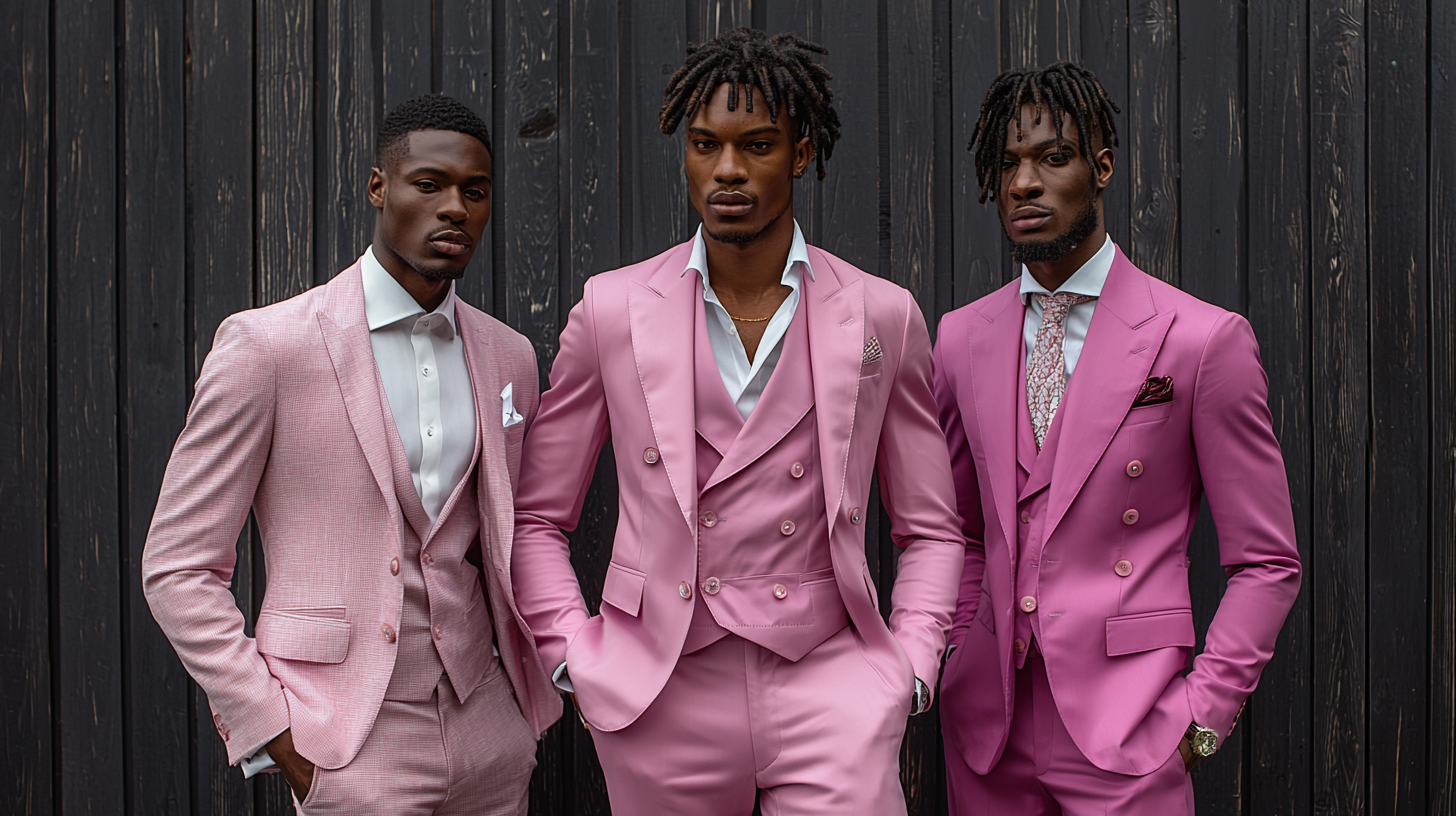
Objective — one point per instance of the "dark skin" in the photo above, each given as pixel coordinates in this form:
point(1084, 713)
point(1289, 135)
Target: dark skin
point(433, 205)
point(1044, 182)
point(741, 168)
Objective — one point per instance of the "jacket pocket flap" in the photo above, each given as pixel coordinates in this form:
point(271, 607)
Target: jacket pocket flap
point(623, 588)
point(302, 637)
point(1145, 631)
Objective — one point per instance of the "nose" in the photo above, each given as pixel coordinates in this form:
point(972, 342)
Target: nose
point(1025, 182)
point(452, 205)
point(729, 171)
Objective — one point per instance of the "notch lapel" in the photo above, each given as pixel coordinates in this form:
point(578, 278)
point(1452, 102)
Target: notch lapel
point(491, 464)
point(995, 365)
point(835, 315)
point(661, 311)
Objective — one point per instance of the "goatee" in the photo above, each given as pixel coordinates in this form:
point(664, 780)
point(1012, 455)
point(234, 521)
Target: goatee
point(1059, 247)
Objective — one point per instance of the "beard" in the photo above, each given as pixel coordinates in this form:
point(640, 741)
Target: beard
point(1058, 247)
point(741, 237)
point(439, 273)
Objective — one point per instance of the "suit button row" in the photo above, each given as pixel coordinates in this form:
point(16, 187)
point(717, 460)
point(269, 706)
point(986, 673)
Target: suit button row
point(394, 566)
point(1028, 604)
point(1135, 468)
point(707, 518)
point(651, 456)
point(388, 632)
point(855, 515)
point(712, 585)
point(1130, 517)
point(796, 470)
point(1123, 568)
point(787, 528)
point(685, 591)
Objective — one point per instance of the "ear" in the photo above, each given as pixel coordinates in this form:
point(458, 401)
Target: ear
point(377, 187)
point(803, 154)
point(1102, 166)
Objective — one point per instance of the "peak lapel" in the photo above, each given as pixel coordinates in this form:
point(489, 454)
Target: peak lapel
point(995, 364)
point(835, 315)
point(661, 317)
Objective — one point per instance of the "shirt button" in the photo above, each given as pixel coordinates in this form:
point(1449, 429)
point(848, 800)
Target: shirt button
point(1025, 517)
point(1123, 568)
point(1019, 646)
point(796, 470)
point(707, 518)
point(855, 516)
point(388, 632)
point(780, 591)
point(787, 528)
point(712, 585)
point(1130, 517)
point(430, 431)
point(439, 631)
point(685, 591)
point(1135, 468)
point(1028, 604)
point(650, 456)
point(394, 566)
point(425, 371)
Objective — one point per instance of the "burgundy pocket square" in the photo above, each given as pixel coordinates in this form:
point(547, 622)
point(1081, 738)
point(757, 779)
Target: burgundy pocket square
point(1156, 391)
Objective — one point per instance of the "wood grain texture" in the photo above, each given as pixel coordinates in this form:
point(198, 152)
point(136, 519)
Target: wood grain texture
point(1152, 136)
point(844, 208)
point(978, 245)
point(1037, 33)
point(1282, 763)
point(1340, 369)
point(348, 111)
point(656, 213)
point(1399, 482)
point(1105, 53)
point(284, 145)
point(26, 739)
point(85, 549)
point(406, 28)
point(466, 56)
point(911, 144)
point(709, 18)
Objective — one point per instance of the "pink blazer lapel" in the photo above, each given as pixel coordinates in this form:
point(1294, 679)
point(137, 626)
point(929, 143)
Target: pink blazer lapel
point(835, 315)
point(660, 312)
point(1126, 334)
point(995, 367)
point(346, 336)
point(495, 495)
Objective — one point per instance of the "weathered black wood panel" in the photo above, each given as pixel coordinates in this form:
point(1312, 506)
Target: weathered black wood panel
point(978, 245)
point(465, 44)
point(1151, 114)
point(348, 111)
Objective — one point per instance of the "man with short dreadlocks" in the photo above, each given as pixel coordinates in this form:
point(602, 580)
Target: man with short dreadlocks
point(750, 385)
point(1089, 408)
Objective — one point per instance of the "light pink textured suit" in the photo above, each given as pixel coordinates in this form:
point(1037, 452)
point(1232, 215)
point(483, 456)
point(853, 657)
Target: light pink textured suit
point(1110, 520)
point(633, 365)
point(289, 420)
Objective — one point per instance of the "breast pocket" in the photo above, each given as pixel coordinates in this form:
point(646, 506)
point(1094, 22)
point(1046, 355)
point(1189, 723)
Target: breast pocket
point(1148, 414)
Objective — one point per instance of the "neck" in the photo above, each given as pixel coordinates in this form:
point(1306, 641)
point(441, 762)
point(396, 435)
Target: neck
point(426, 292)
point(745, 272)
point(1052, 274)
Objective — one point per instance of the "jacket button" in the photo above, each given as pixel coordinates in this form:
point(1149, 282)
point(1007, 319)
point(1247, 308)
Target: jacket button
point(797, 470)
point(780, 591)
point(650, 456)
point(1130, 517)
point(854, 516)
point(388, 632)
point(1019, 645)
point(394, 566)
point(429, 559)
point(685, 591)
point(1028, 604)
point(1123, 568)
point(1025, 517)
point(712, 585)
point(1134, 468)
point(438, 631)
point(787, 528)
point(707, 518)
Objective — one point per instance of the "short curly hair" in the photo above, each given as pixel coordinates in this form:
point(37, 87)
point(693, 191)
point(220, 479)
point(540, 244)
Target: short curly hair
point(430, 112)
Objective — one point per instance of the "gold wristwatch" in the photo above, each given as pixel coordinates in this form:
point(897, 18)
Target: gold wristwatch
point(1203, 741)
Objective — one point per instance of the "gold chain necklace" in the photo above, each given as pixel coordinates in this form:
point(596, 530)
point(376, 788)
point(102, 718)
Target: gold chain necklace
point(748, 319)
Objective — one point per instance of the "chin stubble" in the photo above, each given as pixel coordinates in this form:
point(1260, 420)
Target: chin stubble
point(744, 236)
point(1059, 247)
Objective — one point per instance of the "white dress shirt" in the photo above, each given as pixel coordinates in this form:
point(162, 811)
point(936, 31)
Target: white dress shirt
point(1087, 280)
point(421, 362)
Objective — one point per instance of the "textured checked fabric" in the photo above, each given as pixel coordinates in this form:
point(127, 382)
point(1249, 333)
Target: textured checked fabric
point(1046, 368)
point(872, 351)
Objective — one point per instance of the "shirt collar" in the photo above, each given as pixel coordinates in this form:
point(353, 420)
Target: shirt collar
point(793, 270)
point(387, 303)
point(1088, 280)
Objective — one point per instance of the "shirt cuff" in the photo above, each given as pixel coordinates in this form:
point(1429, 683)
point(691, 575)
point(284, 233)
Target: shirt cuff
point(921, 693)
point(560, 679)
point(257, 763)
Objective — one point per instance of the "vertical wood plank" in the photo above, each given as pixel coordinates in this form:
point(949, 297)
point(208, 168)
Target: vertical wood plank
point(1278, 228)
point(220, 271)
point(656, 213)
point(1441, 256)
point(467, 73)
point(1152, 136)
point(709, 18)
point(154, 386)
point(1399, 489)
point(910, 142)
point(1340, 390)
point(1041, 32)
point(87, 605)
point(845, 206)
point(26, 772)
point(1211, 218)
point(1105, 53)
point(804, 18)
point(348, 111)
point(979, 263)
point(405, 30)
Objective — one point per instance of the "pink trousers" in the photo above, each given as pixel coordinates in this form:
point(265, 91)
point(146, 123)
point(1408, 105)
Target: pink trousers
point(817, 736)
point(1043, 773)
point(437, 757)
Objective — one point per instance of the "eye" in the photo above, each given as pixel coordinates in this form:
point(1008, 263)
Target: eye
point(475, 193)
point(427, 185)
point(704, 144)
point(1059, 158)
point(760, 145)
point(1007, 164)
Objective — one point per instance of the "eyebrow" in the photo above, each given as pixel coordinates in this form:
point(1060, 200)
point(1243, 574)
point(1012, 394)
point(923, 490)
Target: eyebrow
point(702, 131)
point(1045, 143)
point(435, 171)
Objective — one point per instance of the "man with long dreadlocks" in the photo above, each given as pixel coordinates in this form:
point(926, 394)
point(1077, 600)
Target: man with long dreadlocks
point(750, 385)
point(1088, 408)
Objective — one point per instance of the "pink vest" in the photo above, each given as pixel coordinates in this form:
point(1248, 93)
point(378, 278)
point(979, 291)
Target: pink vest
point(1033, 478)
point(767, 580)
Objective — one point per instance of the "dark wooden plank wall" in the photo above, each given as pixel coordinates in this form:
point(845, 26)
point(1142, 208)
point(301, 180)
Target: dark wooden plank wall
point(168, 162)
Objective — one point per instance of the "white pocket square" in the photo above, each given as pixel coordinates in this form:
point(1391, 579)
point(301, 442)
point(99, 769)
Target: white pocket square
point(509, 416)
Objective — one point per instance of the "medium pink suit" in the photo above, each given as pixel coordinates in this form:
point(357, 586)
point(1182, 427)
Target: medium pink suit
point(289, 420)
point(1111, 591)
point(627, 370)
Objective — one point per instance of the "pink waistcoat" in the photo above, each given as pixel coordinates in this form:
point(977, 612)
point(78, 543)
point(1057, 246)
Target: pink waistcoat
point(1033, 477)
point(768, 580)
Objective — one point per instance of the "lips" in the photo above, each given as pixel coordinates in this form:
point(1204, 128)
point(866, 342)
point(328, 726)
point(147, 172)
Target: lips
point(1028, 219)
point(727, 204)
point(450, 242)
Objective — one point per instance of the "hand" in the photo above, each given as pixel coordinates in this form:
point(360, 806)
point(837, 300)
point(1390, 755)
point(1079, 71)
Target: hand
point(574, 704)
point(1189, 758)
point(297, 771)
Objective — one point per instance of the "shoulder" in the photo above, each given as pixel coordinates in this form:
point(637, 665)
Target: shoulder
point(615, 283)
point(983, 310)
point(882, 298)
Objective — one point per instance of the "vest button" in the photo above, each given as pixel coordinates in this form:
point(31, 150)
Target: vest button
point(685, 591)
point(1025, 517)
point(394, 566)
point(712, 585)
point(855, 516)
point(707, 518)
point(429, 559)
point(388, 632)
point(1135, 468)
point(1123, 568)
point(1028, 604)
point(650, 456)
point(1019, 646)
point(797, 470)
point(780, 591)
point(1130, 517)
point(787, 528)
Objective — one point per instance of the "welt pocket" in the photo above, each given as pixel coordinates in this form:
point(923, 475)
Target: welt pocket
point(984, 612)
point(823, 576)
point(309, 638)
point(869, 370)
point(1142, 415)
point(1145, 631)
point(623, 588)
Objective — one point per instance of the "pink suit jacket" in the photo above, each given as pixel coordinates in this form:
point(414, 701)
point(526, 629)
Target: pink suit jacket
point(1115, 646)
point(626, 369)
point(288, 419)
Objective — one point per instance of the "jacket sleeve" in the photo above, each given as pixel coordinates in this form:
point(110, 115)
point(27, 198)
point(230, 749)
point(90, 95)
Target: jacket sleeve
point(1248, 491)
point(915, 485)
point(561, 451)
point(191, 549)
point(963, 472)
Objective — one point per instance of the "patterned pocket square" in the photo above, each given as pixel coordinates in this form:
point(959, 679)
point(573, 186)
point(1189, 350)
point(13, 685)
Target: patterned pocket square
point(1156, 391)
point(872, 352)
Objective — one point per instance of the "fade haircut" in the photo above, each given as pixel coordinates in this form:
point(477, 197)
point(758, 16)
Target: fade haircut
point(781, 67)
point(431, 112)
point(1062, 89)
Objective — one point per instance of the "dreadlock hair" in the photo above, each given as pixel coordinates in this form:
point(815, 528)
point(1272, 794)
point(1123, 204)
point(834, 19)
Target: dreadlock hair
point(430, 112)
point(781, 67)
point(1062, 88)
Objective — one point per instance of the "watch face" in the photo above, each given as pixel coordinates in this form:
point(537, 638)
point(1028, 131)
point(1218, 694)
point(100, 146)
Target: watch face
point(1205, 742)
